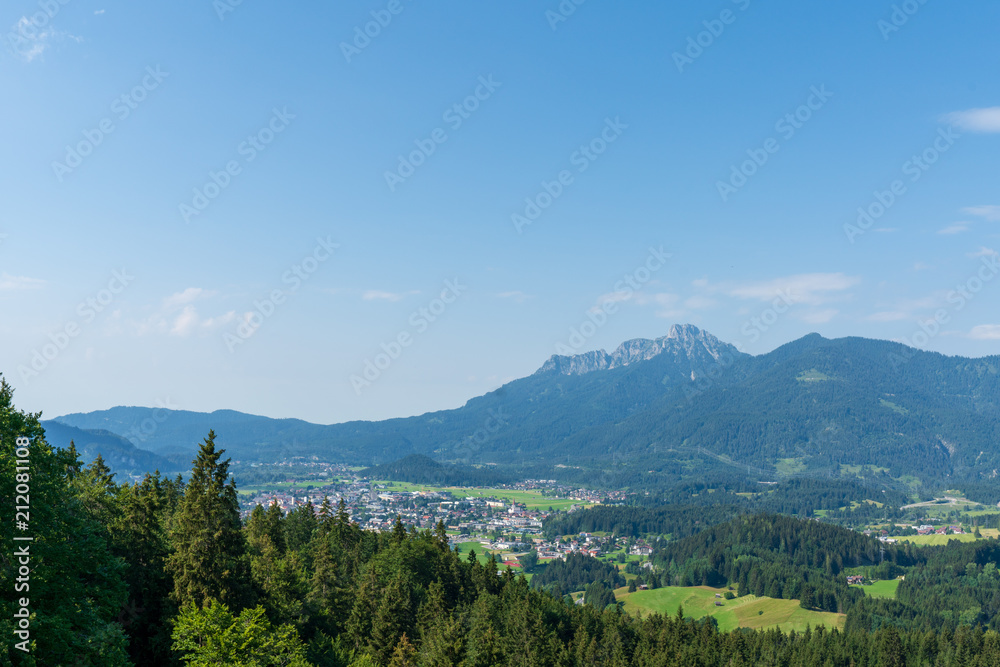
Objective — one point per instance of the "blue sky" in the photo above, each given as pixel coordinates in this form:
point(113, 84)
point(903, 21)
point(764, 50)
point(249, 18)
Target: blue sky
point(219, 205)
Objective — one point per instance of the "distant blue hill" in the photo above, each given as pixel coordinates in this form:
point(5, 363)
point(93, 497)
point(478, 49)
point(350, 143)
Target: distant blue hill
point(684, 406)
point(119, 454)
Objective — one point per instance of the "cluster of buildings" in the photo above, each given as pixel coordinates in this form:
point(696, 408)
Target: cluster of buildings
point(584, 543)
point(497, 524)
point(938, 530)
point(493, 520)
point(883, 535)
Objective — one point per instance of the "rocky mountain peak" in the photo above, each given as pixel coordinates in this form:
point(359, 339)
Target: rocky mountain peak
point(683, 342)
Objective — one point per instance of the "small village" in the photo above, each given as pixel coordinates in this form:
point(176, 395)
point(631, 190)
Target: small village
point(485, 518)
point(375, 505)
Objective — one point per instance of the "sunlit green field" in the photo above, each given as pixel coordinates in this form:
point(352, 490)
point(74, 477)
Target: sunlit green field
point(881, 589)
point(530, 499)
point(748, 611)
point(787, 467)
point(482, 555)
point(280, 486)
point(936, 540)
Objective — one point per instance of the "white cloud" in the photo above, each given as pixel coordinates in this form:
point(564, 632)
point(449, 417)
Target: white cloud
point(909, 309)
point(889, 316)
point(9, 283)
point(613, 297)
point(187, 296)
point(985, 332)
point(955, 228)
point(379, 295)
point(178, 316)
point(700, 303)
point(29, 41)
point(990, 213)
point(976, 120)
point(186, 322)
point(517, 295)
point(98, 12)
point(982, 252)
point(820, 316)
point(664, 302)
point(812, 289)
point(221, 320)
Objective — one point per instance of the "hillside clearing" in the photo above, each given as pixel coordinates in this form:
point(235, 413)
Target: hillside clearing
point(748, 611)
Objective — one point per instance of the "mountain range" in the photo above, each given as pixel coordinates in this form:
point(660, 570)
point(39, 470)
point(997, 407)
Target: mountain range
point(684, 406)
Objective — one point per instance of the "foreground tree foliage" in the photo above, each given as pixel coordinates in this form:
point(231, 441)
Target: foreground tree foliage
point(212, 636)
point(209, 559)
point(164, 573)
point(77, 586)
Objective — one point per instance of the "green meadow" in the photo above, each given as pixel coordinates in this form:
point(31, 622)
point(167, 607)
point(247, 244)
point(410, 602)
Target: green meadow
point(530, 499)
point(935, 539)
point(881, 589)
point(748, 611)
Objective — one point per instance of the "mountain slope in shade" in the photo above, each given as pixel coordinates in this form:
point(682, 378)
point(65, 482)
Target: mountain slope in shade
point(119, 454)
point(536, 409)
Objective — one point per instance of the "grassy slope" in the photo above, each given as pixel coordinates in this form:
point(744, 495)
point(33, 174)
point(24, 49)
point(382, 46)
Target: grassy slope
point(881, 589)
point(700, 601)
point(531, 499)
point(938, 540)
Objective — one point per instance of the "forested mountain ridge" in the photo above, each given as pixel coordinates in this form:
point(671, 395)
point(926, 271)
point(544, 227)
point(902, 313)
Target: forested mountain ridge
point(813, 406)
point(117, 451)
point(536, 408)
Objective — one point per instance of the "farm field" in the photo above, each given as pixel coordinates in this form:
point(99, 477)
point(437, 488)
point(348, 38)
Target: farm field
point(744, 612)
point(938, 540)
point(280, 486)
point(947, 504)
point(881, 589)
point(482, 554)
point(532, 500)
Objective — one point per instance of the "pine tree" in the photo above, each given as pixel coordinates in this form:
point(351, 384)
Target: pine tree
point(890, 648)
point(484, 647)
point(325, 517)
point(212, 636)
point(404, 655)
point(441, 533)
point(393, 618)
point(300, 525)
point(282, 581)
point(344, 532)
point(255, 527)
point(274, 528)
point(398, 531)
point(140, 539)
point(329, 599)
point(209, 559)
